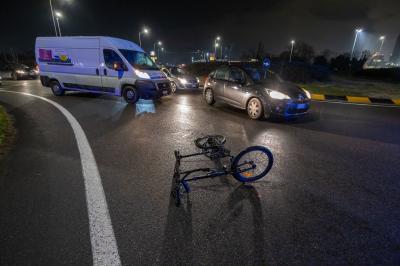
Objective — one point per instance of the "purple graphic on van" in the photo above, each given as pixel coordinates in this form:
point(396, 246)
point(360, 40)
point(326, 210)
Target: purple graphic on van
point(54, 57)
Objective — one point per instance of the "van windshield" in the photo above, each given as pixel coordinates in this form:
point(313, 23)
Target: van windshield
point(139, 60)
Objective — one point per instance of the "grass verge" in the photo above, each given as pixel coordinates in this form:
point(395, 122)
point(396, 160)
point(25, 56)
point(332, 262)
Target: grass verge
point(3, 125)
point(7, 132)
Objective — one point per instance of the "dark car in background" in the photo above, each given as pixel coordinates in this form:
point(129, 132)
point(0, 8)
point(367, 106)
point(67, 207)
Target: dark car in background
point(259, 91)
point(17, 71)
point(180, 78)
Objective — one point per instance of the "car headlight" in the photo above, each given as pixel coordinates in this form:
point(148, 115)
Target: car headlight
point(19, 71)
point(198, 80)
point(277, 95)
point(141, 74)
point(308, 94)
point(182, 80)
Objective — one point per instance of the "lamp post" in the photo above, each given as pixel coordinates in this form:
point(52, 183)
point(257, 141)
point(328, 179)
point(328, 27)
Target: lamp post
point(292, 42)
point(52, 15)
point(217, 39)
point(354, 44)
point(382, 38)
point(58, 16)
point(159, 43)
point(145, 31)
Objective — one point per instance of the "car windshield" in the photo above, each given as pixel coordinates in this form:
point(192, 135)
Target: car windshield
point(139, 60)
point(178, 71)
point(260, 75)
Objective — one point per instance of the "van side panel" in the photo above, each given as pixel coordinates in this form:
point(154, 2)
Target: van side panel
point(74, 62)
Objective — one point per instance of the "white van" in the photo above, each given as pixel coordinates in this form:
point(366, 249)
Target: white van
point(100, 65)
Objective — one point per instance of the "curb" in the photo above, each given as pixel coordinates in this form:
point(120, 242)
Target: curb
point(354, 99)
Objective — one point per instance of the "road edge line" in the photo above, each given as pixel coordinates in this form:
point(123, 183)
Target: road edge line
point(102, 237)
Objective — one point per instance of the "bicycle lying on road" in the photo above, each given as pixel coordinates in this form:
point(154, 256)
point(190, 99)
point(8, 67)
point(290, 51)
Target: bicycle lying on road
point(249, 165)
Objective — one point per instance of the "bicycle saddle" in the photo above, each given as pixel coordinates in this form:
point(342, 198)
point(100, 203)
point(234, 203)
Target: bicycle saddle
point(210, 141)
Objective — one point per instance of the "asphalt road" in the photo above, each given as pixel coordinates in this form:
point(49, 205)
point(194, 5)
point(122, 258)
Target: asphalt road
point(332, 196)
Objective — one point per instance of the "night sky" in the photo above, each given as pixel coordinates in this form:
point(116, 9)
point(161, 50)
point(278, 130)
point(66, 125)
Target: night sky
point(187, 26)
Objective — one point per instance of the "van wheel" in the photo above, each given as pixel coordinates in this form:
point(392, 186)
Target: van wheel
point(56, 88)
point(130, 95)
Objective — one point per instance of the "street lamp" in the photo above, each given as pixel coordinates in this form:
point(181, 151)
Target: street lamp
point(216, 45)
point(292, 42)
point(159, 45)
point(145, 31)
point(58, 16)
point(382, 38)
point(52, 15)
point(355, 41)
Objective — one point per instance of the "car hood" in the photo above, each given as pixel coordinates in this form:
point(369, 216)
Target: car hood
point(287, 88)
point(187, 77)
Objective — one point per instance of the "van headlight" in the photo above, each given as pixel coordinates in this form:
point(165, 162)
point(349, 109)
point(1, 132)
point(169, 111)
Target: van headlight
point(182, 80)
point(308, 94)
point(141, 74)
point(19, 71)
point(277, 95)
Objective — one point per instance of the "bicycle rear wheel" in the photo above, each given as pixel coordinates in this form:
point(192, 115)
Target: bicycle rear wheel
point(252, 164)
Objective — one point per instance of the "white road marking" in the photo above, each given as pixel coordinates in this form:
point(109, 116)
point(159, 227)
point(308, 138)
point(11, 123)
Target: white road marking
point(104, 244)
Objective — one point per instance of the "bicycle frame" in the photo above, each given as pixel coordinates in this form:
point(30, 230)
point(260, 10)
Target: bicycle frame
point(182, 177)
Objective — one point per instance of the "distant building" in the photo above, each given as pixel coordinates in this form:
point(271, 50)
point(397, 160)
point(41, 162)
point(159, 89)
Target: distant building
point(396, 52)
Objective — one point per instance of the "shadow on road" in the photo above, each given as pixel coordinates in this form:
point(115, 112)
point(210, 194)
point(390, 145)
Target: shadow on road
point(179, 246)
point(227, 221)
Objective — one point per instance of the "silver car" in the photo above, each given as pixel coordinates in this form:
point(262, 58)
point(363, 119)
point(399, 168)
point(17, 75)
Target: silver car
point(181, 79)
point(259, 91)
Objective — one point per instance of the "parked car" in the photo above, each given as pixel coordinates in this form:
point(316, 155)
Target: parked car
point(99, 65)
point(181, 79)
point(17, 71)
point(259, 91)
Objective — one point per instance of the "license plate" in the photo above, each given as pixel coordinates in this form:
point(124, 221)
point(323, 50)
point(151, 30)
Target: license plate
point(164, 92)
point(302, 106)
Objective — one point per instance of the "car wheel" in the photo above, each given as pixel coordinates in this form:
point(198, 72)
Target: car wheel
point(209, 96)
point(173, 87)
point(254, 108)
point(14, 76)
point(130, 95)
point(56, 88)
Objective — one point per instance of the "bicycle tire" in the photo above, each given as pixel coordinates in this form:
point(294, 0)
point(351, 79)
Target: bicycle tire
point(246, 176)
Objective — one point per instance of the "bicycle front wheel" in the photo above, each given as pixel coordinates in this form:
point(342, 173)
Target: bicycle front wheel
point(252, 164)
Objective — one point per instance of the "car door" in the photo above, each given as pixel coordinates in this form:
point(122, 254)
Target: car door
point(111, 77)
point(218, 82)
point(234, 91)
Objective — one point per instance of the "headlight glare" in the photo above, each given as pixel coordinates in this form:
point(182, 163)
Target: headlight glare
point(141, 74)
point(308, 94)
point(182, 80)
point(278, 95)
